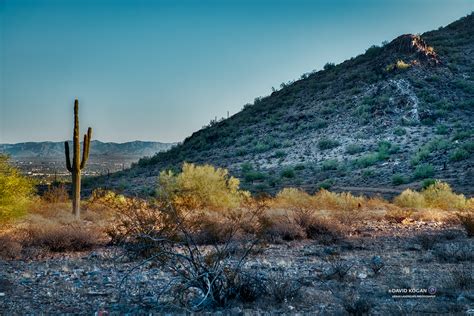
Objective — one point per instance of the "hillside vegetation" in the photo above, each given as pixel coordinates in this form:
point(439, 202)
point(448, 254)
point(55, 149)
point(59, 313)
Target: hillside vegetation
point(390, 118)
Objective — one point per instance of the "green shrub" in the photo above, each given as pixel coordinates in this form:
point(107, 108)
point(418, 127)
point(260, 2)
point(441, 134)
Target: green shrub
point(353, 149)
point(367, 160)
point(326, 143)
point(442, 130)
point(287, 173)
point(459, 154)
point(279, 154)
point(330, 164)
point(427, 182)
point(398, 179)
point(16, 191)
point(399, 131)
point(253, 175)
point(326, 184)
point(460, 135)
point(423, 171)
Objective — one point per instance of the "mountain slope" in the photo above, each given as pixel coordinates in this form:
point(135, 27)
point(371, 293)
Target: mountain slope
point(379, 122)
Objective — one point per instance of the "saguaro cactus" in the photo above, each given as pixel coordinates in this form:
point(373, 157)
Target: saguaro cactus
point(77, 164)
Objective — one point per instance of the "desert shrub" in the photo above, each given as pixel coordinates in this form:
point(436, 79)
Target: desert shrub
point(353, 149)
point(60, 238)
point(326, 143)
point(459, 154)
point(10, 248)
point(399, 131)
point(56, 194)
point(337, 201)
point(339, 267)
point(424, 171)
point(330, 164)
point(427, 241)
point(205, 276)
point(16, 191)
point(427, 182)
point(367, 160)
point(410, 198)
point(441, 130)
point(323, 230)
point(357, 306)
point(198, 187)
point(281, 287)
point(440, 195)
point(460, 135)
point(398, 215)
point(467, 221)
point(282, 228)
point(462, 278)
point(398, 179)
point(293, 199)
point(288, 173)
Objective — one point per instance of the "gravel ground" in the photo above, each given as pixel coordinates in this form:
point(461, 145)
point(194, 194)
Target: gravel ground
point(108, 280)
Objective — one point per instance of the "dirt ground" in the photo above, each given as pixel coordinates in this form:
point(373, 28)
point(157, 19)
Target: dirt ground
point(380, 269)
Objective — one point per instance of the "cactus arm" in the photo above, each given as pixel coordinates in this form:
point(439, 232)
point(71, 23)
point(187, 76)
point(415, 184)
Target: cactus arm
point(68, 159)
point(85, 147)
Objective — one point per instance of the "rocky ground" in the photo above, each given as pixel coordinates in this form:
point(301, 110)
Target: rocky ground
point(354, 276)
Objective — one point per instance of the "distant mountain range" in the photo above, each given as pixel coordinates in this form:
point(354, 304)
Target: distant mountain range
point(55, 150)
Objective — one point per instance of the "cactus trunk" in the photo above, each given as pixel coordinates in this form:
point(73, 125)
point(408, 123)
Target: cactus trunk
point(77, 164)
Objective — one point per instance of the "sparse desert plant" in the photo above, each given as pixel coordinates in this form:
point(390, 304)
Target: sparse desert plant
point(399, 131)
point(323, 230)
point(10, 248)
point(459, 154)
point(462, 278)
point(330, 164)
point(60, 238)
point(398, 179)
point(288, 173)
point(56, 194)
point(16, 191)
point(353, 149)
point(398, 215)
point(281, 287)
point(213, 274)
point(357, 306)
point(339, 267)
point(281, 228)
point(428, 241)
point(467, 221)
point(326, 143)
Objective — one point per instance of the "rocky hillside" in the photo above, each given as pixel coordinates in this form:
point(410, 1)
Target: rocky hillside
point(393, 117)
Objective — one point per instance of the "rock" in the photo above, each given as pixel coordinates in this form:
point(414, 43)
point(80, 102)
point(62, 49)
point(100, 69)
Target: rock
point(2, 294)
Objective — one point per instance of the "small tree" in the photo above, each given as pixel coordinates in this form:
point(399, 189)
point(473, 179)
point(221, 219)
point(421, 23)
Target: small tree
point(15, 191)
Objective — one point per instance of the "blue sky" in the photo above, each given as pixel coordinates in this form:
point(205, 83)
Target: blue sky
point(159, 70)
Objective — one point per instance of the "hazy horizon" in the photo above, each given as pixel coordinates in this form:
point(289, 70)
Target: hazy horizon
point(158, 71)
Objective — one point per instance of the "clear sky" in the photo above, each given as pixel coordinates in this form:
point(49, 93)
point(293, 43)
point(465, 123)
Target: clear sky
point(159, 70)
